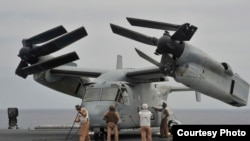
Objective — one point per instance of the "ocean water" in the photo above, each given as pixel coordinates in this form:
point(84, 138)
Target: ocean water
point(42, 117)
point(223, 116)
point(33, 118)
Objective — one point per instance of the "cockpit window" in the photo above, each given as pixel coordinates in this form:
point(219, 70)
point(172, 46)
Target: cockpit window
point(92, 94)
point(109, 94)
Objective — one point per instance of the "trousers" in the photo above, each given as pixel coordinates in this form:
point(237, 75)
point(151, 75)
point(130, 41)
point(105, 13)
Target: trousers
point(112, 127)
point(164, 127)
point(146, 133)
point(84, 132)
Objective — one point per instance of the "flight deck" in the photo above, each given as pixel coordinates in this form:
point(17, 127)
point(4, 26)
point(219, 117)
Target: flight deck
point(64, 134)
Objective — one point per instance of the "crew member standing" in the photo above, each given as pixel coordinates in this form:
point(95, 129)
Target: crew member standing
point(164, 120)
point(145, 123)
point(83, 119)
point(112, 117)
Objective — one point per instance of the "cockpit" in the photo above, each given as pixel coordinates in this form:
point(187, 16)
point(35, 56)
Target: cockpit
point(107, 94)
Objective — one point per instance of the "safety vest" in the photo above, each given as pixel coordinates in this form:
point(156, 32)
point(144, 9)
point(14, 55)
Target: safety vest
point(111, 117)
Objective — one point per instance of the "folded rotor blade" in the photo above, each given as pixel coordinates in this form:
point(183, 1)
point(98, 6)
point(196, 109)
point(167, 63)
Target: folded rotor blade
point(18, 71)
point(60, 42)
point(52, 63)
point(134, 35)
point(45, 36)
point(184, 33)
point(152, 24)
point(146, 57)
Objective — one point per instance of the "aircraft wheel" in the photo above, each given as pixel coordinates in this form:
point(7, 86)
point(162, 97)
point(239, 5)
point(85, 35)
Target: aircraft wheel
point(171, 123)
point(100, 136)
point(96, 136)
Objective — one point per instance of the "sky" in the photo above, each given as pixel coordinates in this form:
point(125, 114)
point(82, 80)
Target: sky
point(223, 32)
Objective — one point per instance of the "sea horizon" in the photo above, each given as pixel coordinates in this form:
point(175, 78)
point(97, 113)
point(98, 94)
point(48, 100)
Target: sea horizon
point(31, 118)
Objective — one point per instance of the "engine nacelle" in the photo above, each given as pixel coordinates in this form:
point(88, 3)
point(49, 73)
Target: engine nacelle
point(227, 67)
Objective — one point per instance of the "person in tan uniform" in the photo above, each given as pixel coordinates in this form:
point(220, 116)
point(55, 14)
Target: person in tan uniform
point(164, 120)
point(83, 119)
point(112, 117)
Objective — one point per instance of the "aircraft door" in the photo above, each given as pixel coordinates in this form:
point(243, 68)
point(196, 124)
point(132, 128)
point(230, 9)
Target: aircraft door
point(124, 109)
point(122, 97)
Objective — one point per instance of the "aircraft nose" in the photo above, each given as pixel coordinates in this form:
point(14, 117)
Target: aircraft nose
point(96, 111)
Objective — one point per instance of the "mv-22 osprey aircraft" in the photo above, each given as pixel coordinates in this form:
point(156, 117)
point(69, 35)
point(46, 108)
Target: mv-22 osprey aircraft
point(129, 88)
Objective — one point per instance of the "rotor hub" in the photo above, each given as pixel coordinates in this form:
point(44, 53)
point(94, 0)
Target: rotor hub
point(27, 56)
point(164, 45)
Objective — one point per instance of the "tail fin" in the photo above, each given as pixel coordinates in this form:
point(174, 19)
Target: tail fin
point(119, 62)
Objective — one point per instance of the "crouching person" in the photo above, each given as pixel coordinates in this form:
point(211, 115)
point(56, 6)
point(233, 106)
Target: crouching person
point(83, 119)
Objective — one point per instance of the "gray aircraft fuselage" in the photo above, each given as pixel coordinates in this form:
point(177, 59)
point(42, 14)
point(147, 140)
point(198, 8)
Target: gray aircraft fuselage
point(98, 95)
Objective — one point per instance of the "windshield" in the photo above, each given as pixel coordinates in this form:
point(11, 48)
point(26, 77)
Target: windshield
point(92, 94)
point(107, 94)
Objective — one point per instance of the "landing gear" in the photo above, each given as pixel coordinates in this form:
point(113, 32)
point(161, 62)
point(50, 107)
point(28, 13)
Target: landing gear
point(171, 123)
point(100, 136)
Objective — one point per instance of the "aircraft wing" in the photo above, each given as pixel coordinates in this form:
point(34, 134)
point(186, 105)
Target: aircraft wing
point(152, 74)
point(138, 75)
point(75, 71)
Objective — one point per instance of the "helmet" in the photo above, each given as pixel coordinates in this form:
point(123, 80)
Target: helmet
point(112, 107)
point(144, 106)
point(78, 107)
